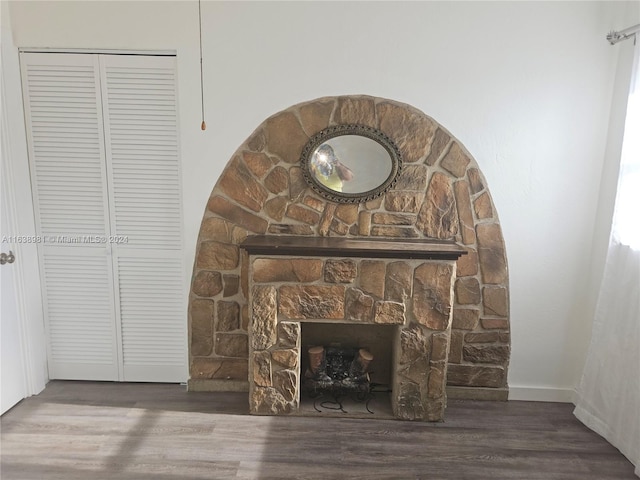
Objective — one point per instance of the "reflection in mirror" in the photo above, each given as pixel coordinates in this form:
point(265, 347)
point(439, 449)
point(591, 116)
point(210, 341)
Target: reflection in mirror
point(350, 163)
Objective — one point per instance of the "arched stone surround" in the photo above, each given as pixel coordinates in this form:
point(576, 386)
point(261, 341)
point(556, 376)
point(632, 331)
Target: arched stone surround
point(441, 194)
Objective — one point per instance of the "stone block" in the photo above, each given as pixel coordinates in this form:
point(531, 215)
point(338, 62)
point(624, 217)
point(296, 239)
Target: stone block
point(493, 262)
point(304, 270)
point(476, 182)
point(339, 227)
point(358, 110)
point(373, 204)
point(258, 141)
point(390, 313)
point(364, 223)
point(231, 285)
point(267, 401)
point(467, 291)
point(440, 142)
point(202, 315)
point(398, 281)
point(238, 235)
point(285, 136)
point(482, 337)
point(358, 306)
point(439, 347)
point(217, 256)
point(347, 213)
point(286, 229)
point(394, 232)
point(482, 206)
point(276, 208)
point(463, 203)
point(494, 354)
point(410, 130)
point(217, 368)
point(393, 219)
point(232, 345)
point(287, 358)
point(455, 348)
point(414, 344)
point(315, 116)
point(465, 318)
point(495, 301)
point(228, 316)
point(286, 384)
point(237, 215)
point(476, 376)
point(288, 334)
point(455, 161)
point(372, 277)
point(277, 181)
point(497, 323)
point(327, 219)
point(467, 265)
point(297, 183)
point(207, 283)
point(258, 163)
point(244, 273)
point(340, 271)
point(244, 317)
point(262, 369)
point(412, 177)
point(240, 185)
point(432, 295)
point(264, 317)
point(437, 380)
point(315, 203)
point(438, 216)
point(417, 371)
point(320, 302)
point(214, 228)
point(398, 201)
point(409, 405)
point(302, 214)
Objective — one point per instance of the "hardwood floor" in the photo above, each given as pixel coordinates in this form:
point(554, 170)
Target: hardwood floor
point(96, 431)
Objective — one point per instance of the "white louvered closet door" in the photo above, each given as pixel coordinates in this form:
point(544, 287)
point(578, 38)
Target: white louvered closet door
point(105, 174)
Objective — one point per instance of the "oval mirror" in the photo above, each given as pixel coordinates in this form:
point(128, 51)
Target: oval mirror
point(350, 163)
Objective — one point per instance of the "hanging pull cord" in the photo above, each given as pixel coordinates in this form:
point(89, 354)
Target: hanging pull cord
point(203, 125)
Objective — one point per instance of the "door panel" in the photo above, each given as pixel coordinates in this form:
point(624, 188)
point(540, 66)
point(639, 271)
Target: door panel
point(104, 154)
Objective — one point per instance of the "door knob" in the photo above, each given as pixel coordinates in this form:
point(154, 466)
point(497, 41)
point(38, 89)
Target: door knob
point(7, 258)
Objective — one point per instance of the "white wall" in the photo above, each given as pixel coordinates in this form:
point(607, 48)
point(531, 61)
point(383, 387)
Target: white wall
point(525, 86)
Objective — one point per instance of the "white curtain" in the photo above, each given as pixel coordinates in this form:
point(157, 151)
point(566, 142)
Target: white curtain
point(608, 397)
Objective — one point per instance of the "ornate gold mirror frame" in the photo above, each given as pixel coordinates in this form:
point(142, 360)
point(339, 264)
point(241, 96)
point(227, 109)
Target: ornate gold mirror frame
point(350, 163)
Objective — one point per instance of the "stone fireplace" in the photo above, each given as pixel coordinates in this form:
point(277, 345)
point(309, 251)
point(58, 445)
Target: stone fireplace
point(440, 201)
point(405, 284)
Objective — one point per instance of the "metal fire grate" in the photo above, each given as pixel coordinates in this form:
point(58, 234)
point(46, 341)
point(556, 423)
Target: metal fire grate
point(337, 373)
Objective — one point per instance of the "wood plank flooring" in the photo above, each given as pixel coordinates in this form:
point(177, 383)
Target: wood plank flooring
point(109, 431)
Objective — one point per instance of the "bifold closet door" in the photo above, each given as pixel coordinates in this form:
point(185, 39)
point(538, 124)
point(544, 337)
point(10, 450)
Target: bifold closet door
point(103, 147)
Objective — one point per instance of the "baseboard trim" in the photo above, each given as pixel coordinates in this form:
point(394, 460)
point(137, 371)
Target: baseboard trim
point(207, 385)
point(477, 393)
point(542, 394)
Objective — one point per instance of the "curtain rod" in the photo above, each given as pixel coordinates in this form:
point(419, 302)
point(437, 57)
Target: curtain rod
point(615, 37)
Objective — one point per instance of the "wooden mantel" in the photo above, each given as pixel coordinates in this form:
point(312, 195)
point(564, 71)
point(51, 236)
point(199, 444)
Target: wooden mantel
point(420, 249)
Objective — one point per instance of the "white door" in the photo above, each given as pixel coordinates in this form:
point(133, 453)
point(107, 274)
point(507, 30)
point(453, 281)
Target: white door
point(13, 388)
point(103, 147)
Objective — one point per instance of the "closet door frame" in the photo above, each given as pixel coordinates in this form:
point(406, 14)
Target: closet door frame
point(110, 251)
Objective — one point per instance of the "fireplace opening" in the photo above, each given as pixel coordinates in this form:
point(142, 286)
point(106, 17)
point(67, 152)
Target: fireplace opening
point(346, 369)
